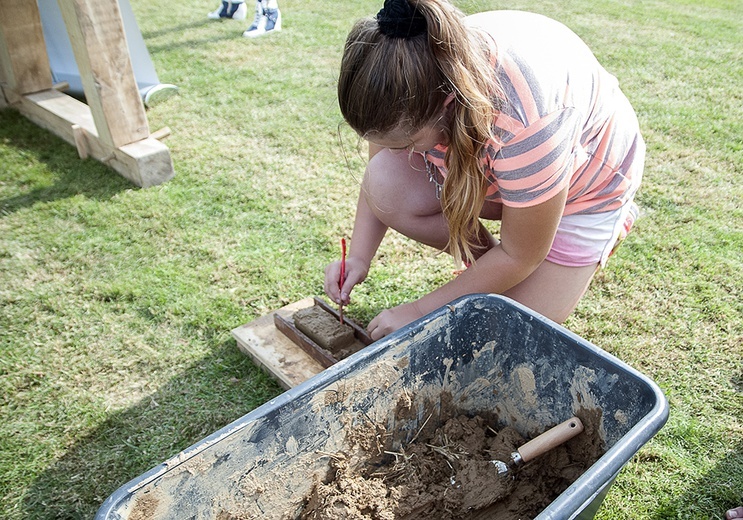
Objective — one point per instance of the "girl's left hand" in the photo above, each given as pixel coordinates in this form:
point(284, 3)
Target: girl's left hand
point(389, 320)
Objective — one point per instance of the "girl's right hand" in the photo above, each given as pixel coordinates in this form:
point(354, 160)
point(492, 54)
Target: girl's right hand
point(356, 271)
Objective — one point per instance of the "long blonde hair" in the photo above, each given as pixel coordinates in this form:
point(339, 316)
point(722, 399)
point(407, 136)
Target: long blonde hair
point(386, 82)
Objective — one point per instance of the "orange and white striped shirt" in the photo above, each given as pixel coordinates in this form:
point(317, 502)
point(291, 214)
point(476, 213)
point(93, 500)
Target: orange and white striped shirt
point(565, 121)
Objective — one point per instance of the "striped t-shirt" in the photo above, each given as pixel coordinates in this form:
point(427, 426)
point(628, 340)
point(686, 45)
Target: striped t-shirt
point(565, 120)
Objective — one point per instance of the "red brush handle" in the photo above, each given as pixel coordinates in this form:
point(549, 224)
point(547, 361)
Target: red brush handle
point(343, 260)
point(343, 273)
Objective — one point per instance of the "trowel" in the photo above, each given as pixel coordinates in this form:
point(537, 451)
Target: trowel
point(540, 445)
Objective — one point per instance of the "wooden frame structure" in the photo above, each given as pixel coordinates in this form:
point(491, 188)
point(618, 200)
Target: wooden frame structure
point(112, 127)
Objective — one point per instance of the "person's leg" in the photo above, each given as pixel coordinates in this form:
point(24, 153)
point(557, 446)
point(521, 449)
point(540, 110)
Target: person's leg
point(257, 17)
point(582, 243)
point(273, 16)
point(399, 193)
point(234, 9)
point(267, 19)
point(553, 290)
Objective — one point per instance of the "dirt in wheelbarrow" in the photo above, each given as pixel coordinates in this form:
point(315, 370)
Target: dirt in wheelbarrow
point(446, 473)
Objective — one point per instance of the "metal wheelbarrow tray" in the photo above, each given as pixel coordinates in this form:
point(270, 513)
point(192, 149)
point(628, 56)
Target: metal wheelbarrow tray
point(491, 355)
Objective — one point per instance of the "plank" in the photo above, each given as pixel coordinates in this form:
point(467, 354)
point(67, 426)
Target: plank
point(272, 350)
point(58, 112)
point(146, 162)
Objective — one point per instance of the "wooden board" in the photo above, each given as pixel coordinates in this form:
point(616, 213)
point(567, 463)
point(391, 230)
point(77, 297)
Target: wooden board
point(273, 351)
point(275, 344)
point(146, 163)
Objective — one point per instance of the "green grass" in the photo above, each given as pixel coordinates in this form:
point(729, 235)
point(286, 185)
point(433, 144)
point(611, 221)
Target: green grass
point(117, 303)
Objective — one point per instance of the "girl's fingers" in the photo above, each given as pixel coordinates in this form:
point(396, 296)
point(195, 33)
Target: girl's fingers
point(355, 273)
point(332, 275)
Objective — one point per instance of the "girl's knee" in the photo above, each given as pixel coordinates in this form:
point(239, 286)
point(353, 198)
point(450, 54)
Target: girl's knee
point(395, 183)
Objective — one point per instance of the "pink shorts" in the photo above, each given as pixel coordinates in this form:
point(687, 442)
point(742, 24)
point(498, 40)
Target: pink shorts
point(590, 239)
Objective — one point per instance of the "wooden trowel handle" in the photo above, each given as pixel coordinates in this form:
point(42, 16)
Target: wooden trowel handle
point(550, 439)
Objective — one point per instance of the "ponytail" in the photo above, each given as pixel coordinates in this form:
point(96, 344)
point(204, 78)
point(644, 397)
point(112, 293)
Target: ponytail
point(399, 68)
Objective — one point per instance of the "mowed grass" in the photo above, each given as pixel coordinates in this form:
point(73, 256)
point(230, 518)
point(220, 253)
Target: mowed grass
point(117, 302)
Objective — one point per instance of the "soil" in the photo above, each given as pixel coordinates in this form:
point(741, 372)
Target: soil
point(447, 474)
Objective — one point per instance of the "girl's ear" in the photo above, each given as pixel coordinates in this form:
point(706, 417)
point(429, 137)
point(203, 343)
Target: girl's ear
point(448, 107)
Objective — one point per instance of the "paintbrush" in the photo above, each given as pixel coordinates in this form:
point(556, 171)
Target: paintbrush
point(540, 445)
point(343, 277)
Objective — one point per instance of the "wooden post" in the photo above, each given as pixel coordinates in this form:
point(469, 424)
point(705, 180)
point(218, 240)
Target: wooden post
point(24, 63)
point(99, 43)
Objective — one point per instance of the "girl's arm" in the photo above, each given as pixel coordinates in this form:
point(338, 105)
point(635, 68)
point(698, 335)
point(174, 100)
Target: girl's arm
point(368, 232)
point(526, 238)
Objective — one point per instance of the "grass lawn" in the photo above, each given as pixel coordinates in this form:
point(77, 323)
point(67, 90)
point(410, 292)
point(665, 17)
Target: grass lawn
point(116, 303)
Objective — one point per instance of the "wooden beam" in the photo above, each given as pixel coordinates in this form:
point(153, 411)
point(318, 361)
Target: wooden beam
point(99, 43)
point(81, 143)
point(146, 162)
point(24, 63)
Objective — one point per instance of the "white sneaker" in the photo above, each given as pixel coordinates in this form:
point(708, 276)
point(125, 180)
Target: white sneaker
point(258, 18)
point(232, 10)
point(266, 21)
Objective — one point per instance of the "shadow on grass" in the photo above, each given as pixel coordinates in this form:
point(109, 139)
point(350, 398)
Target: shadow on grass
point(178, 29)
point(69, 174)
point(193, 43)
point(217, 390)
point(198, 42)
point(720, 488)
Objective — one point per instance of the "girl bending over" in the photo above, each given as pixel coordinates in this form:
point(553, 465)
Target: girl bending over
point(501, 115)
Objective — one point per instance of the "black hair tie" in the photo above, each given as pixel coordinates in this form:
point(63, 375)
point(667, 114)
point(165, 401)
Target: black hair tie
point(400, 19)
